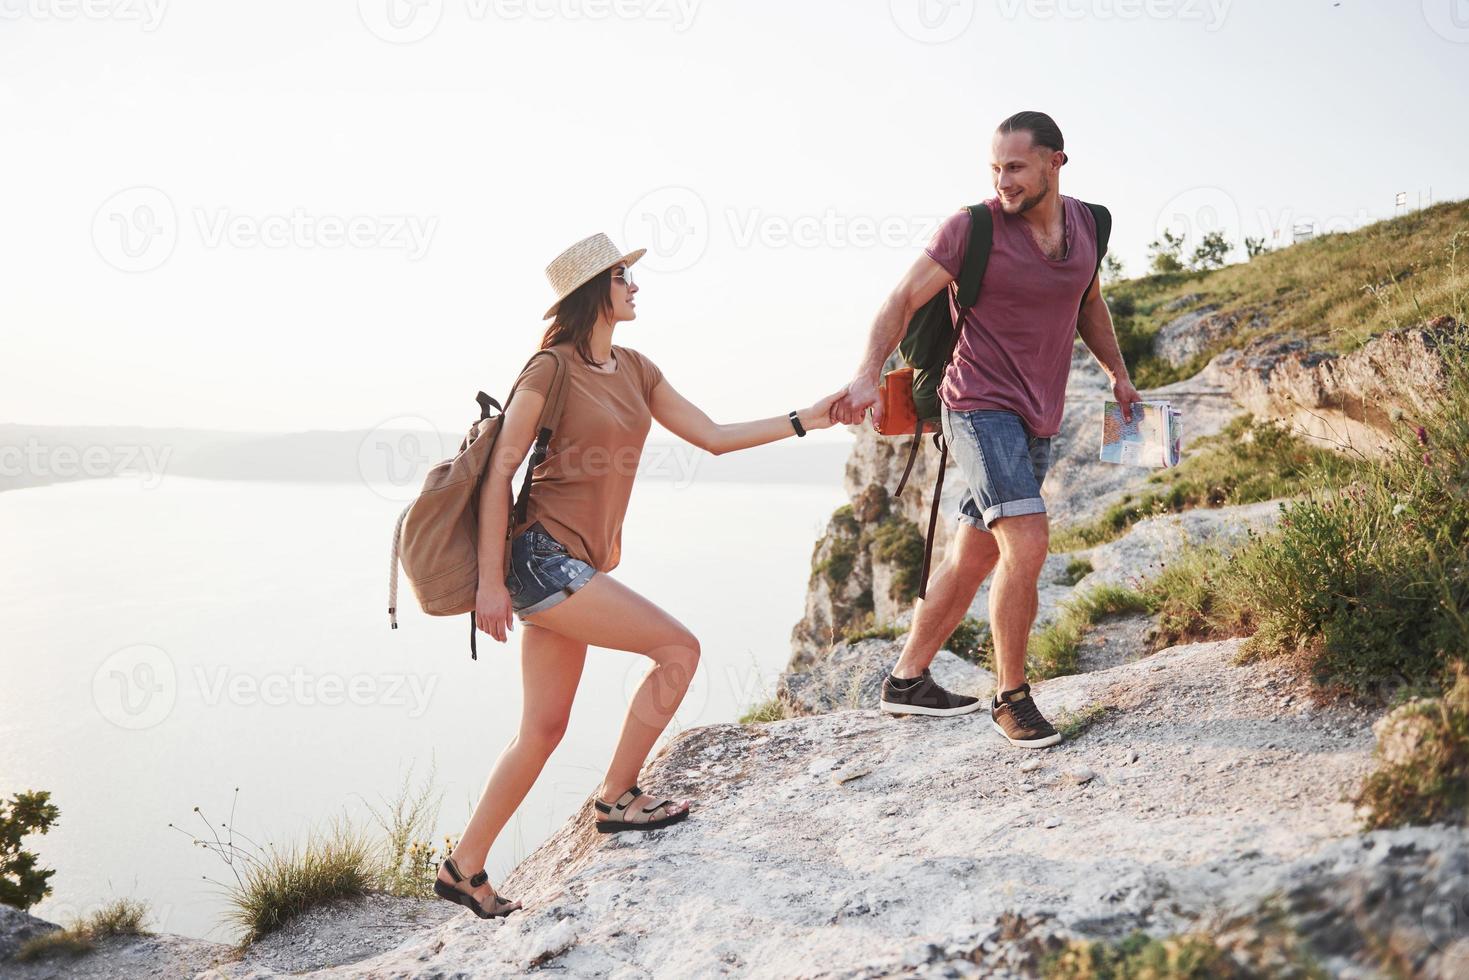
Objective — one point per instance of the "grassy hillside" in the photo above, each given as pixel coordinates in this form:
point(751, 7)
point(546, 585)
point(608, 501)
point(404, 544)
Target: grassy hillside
point(1337, 290)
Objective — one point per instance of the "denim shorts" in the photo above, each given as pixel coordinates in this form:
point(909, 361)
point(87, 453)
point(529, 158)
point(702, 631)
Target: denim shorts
point(541, 572)
point(1003, 465)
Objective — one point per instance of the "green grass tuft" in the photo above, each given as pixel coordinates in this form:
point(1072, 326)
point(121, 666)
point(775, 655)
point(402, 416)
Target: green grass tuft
point(121, 917)
point(771, 709)
point(1053, 650)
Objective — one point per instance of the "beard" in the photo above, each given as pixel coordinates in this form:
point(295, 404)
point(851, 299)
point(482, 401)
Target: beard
point(1026, 203)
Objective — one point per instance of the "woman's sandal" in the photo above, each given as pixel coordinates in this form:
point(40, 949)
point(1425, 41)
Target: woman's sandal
point(620, 808)
point(499, 907)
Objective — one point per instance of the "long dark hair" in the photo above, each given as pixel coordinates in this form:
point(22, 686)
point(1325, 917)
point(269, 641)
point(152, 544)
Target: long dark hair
point(1042, 129)
point(577, 314)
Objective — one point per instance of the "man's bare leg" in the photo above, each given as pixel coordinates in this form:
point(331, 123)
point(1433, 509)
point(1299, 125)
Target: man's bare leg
point(1023, 541)
point(950, 592)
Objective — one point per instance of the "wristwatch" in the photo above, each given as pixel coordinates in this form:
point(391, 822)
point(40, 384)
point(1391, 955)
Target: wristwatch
point(796, 424)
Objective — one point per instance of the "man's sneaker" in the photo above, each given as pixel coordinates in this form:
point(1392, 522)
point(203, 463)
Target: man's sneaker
point(1016, 717)
point(922, 696)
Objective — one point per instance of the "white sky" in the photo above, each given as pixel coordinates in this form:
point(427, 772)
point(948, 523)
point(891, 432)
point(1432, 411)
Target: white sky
point(706, 131)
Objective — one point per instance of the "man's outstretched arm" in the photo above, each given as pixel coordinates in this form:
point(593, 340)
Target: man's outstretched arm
point(919, 285)
point(1096, 330)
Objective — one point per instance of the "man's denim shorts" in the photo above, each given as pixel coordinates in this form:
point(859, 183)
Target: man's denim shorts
point(1003, 465)
point(541, 572)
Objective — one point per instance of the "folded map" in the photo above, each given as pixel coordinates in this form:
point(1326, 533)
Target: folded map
point(1154, 437)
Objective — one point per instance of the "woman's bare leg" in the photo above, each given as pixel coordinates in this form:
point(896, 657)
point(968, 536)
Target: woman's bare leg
point(550, 667)
point(606, 613)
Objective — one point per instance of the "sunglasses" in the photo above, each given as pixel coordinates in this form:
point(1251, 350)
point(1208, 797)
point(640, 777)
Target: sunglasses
point(623, 275)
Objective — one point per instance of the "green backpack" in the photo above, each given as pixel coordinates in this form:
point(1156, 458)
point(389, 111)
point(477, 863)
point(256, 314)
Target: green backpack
point(928, 346)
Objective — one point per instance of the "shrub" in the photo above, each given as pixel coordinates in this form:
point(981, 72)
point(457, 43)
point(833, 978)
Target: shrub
point(1053, 650)
point(409, 861)
point(1140, 957)
point(898, 543)
point(1188, 601)
point(285, 883)
point(1428, 780)
point(971, 640)
point(22, 884)
point(1076, 570)
point(122, 917)
point(771, 709)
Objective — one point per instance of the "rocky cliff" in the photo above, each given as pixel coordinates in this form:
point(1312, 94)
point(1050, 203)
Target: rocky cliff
point(1194, 795)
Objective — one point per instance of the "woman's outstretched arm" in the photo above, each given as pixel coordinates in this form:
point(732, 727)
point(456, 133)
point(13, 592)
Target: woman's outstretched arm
point(687, 421)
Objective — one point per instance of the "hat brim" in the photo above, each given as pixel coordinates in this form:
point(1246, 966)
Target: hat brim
point(628, 259)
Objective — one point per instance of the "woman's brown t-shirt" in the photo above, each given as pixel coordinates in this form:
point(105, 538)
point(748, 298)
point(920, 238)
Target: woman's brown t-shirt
point(582, 487)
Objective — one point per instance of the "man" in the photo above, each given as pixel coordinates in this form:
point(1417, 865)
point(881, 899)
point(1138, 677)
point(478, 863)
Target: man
point(1002, 395)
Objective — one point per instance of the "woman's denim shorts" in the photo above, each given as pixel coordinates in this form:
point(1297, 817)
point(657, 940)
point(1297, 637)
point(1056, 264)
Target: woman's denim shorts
point(541, 572)
point(1003, 465)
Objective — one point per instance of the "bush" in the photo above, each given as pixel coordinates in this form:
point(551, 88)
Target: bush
point(771, 709)
point(1428, 780)
point(1140, 957)
point(283, 884)
point(1368, 585)
point(1187, 599)
point(123, 917)
point(898, 543)
point(22, 884)
point(1053, 651)
point(971, 640)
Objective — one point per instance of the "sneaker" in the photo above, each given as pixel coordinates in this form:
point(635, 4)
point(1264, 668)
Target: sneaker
point(1016, 717)
point(923, 696)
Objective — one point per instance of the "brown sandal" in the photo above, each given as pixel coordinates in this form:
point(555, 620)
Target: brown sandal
point(499, 904)
point(621, 808)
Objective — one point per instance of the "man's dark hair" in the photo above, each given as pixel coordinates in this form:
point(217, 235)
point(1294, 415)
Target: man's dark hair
point(1041, 127)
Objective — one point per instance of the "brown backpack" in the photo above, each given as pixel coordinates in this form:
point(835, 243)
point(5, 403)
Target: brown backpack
point(437, 535)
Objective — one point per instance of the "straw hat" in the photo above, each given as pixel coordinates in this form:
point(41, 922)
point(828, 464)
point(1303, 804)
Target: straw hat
point(581, 262)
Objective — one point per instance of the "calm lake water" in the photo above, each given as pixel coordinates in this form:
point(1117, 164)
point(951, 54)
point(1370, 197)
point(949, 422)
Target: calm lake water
point(165, 645)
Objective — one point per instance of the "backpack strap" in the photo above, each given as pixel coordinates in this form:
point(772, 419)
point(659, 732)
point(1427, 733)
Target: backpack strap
point(976, 257)
point(933, 511)
point(966, 291)
point(550, 416)
point(1103, 219)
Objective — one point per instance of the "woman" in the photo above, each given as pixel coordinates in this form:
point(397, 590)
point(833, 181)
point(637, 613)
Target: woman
point(570, 539)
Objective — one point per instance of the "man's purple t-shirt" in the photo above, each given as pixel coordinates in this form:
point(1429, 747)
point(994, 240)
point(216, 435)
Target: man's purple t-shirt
point(1014, 347)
